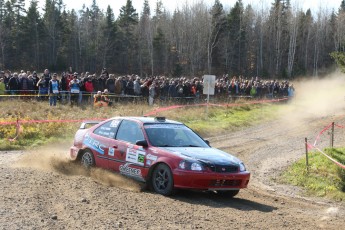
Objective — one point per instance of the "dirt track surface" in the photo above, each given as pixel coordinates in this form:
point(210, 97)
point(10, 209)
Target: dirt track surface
point(41, 190)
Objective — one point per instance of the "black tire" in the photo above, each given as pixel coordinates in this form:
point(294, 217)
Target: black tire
point(228, 193)
point(87, 159)
point(162, 180)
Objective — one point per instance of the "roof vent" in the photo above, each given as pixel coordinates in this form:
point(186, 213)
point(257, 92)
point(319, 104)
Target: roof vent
point(160, 119)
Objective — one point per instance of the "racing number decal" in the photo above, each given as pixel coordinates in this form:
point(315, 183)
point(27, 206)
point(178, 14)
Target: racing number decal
point(135, 156)
point(141, 158)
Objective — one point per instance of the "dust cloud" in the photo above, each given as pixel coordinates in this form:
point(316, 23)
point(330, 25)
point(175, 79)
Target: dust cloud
point(317, 98)
point(54, 159)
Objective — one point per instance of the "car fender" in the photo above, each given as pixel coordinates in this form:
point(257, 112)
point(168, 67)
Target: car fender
point(161, 160)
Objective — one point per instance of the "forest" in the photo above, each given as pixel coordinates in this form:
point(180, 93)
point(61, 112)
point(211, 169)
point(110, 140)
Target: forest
point(279, 41)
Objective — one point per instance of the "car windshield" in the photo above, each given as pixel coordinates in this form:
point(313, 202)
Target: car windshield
point(173, 135)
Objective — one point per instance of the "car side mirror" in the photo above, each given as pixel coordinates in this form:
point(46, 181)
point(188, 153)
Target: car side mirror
point(207, 142)
point(142, 143)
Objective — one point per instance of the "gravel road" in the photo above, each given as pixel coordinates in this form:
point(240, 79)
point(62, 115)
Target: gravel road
point(40, 189)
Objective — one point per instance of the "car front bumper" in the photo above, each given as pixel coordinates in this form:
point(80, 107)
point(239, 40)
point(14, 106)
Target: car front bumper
point(210, 180)
point(73, 153)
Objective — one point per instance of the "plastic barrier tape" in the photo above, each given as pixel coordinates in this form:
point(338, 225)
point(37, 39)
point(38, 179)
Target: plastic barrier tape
point(330, 158)
point(309, 146)
point(318, 136)
point(46, 121)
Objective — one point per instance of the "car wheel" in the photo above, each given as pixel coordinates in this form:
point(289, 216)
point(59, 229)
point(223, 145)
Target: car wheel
point(228, 193)
point(162, 180)
point(87, 159)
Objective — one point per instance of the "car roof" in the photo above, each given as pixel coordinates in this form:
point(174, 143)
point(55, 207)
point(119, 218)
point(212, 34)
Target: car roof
point(150, 120)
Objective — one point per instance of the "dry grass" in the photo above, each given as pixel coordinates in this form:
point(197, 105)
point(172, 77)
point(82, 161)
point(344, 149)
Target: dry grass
point(206, 121)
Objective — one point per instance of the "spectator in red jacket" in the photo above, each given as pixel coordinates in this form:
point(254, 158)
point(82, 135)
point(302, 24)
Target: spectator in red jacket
point(89, 85)
point(89, 88)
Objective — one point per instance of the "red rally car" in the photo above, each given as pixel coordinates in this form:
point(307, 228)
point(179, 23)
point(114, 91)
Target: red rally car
point(165, 154)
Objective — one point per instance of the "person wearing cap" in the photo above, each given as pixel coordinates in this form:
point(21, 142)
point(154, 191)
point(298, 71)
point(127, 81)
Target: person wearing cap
point(105, 99)
point(74, 85)
point(54, 89)
point(97, 99)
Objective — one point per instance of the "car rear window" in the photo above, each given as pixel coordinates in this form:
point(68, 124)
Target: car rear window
point(107, 129)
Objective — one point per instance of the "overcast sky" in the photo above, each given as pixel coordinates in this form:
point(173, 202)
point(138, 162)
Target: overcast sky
point(171, 5)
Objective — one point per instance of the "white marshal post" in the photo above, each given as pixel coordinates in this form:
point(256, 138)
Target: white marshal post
point(209, 85)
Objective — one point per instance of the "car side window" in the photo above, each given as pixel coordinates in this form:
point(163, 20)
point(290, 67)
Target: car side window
point(108, 129)
point(129, 131)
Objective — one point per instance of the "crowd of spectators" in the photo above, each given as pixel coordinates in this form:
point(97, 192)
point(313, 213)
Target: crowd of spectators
point(76, 88)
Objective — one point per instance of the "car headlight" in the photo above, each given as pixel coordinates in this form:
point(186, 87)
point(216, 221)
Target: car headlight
point(193, 166)
point(196, 167)
point(242, 167)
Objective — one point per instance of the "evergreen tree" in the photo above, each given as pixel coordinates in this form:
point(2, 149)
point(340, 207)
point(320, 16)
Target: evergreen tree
point(250, 43)
point(3, 32)
point(53, 31)
point(342, 6)
point(109, 31)
point(272, 42)
point(32, 30)
point(72, 41)
point(216, 33)
point(16, 32)
point(127, 22)
point(159, 51)
point(236, 36)
point(146, 41)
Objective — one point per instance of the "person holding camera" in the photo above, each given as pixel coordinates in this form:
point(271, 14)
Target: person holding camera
point(54, 89)
point(74, 86)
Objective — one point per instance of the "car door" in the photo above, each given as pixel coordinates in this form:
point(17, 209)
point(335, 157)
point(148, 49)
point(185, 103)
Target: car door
point(132, 156)
point(105, 135)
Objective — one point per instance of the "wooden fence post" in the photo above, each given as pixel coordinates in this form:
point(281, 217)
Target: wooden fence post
point(332, 135)
point(306, 154)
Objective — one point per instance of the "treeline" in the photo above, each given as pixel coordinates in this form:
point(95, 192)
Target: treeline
point(279, 41)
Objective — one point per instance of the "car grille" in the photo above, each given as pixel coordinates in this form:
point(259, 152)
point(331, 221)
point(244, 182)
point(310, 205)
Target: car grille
point(224, 168)
point(220, 183)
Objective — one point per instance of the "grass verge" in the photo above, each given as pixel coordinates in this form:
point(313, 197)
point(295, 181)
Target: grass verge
point(207, 122)
point(324, 178)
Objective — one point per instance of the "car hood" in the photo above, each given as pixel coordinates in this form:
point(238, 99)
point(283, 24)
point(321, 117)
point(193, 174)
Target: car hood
point(206, 155)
